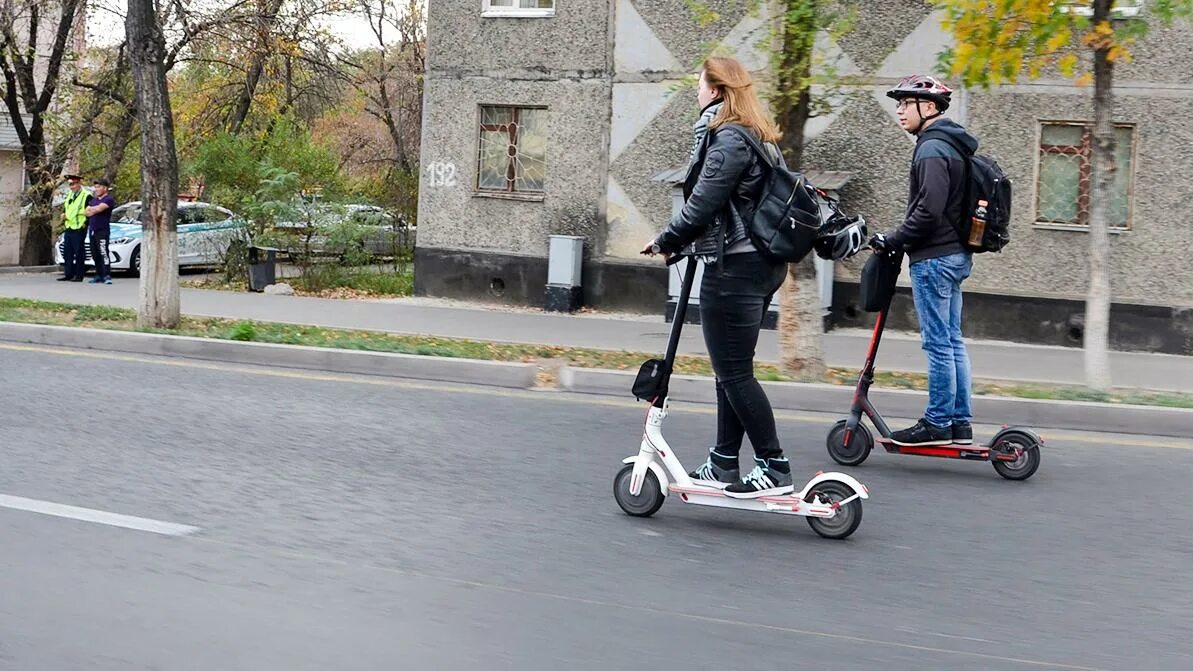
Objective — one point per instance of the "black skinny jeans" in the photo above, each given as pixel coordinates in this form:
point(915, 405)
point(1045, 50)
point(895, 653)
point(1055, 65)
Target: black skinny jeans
point(733, 300)
point(99, 254)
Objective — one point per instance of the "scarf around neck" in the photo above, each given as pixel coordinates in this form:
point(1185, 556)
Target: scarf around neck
point(701, 127)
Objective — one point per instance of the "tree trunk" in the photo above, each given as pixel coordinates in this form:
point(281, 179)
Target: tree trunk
point(1097, 301)
point(37, 245)
point(395, 135)
point(289, 104)
point(801, 325)
point(265, 22)
point(159, 305)
point(120, 139)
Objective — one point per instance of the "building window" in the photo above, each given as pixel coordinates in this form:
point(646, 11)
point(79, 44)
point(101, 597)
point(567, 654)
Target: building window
point(513, 150)
point(1122, 9)
point(523, 8)
point(1063, 186)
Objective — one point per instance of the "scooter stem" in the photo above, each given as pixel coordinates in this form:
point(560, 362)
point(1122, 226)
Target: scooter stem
point(872, 354)
point(681, 312)
point(861, 395)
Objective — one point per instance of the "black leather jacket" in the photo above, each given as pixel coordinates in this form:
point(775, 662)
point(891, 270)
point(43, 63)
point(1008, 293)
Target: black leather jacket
point(723, 185)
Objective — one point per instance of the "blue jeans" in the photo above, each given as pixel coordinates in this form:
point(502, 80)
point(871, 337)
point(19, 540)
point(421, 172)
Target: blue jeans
point(936, 287)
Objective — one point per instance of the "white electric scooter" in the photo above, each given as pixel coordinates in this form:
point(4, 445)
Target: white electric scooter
point(831, 502)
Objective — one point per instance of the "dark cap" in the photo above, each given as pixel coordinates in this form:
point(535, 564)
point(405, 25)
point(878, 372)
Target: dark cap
point(100, 181)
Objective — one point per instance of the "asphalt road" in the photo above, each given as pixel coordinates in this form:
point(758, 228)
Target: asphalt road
point(339, 522)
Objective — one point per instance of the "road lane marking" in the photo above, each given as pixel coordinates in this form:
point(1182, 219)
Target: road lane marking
point(95, 516)
point(563, 396)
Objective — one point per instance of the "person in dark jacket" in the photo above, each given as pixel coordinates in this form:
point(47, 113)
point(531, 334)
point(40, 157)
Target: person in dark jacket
point(939, 263)
point(99, 224)
point(725, 180)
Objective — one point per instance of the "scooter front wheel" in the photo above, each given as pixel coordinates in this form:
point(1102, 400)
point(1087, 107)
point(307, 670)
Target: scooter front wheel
point(850, 452)
point(848, 517)
point(647, 502)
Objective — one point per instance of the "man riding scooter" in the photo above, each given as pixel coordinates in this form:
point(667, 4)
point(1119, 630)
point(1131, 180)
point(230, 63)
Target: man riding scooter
point(939, 262)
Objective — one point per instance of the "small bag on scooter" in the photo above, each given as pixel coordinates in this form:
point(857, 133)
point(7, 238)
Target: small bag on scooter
point(878, 280)
point(649, 383)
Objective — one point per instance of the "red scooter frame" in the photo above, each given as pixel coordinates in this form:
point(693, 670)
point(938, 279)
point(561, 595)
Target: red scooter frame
point(1014, 452)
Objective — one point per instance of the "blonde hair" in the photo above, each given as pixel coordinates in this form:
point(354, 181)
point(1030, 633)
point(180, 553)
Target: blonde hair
point(741, 104)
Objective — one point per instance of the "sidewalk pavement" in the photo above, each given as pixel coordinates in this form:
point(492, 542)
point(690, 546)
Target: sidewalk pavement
point(641, 333)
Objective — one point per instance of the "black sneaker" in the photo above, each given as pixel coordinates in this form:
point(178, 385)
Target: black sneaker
point(923, 433)
point(962, 433)
point(716, 470)
point(770, 477)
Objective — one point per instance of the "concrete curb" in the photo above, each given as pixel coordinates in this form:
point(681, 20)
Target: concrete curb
point(897, 403)
point(13, 270)
point(442, 369)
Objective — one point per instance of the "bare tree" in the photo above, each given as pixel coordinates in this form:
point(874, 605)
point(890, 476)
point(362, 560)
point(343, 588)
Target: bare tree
point(112, 87)
point(391, 76)
point(263, 25)
point(31, 77)
point(159, 305)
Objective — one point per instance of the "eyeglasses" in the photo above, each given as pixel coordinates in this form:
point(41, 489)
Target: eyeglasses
point(907, 102)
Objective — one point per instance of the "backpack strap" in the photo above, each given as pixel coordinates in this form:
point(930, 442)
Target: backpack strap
point(967, 195)
point(769, 159)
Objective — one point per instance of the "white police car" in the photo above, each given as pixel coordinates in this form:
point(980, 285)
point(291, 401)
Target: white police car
point(205, 232)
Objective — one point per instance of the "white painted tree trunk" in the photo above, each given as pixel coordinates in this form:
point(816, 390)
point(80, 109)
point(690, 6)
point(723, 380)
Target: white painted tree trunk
point(801, 353)
point(801, 326)
point(1097, 301)
point(160, 302)
point(159, 305)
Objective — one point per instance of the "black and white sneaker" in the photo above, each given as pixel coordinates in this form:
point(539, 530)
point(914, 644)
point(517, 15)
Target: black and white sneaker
point(962, 433)
point(770, 477)
point(923, 433)
point(716, 470)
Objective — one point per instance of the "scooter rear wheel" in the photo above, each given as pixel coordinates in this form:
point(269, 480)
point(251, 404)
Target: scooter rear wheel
point(853, 452)
point(848, 516)
point(647, 502)
point(1026, 461)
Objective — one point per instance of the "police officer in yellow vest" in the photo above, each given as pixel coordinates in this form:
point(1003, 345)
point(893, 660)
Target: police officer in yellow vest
point(74, 254)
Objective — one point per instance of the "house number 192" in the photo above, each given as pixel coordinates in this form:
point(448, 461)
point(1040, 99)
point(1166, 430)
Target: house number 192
point(441, 174)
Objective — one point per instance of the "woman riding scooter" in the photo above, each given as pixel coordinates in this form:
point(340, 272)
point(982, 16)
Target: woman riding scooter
point(725, 179)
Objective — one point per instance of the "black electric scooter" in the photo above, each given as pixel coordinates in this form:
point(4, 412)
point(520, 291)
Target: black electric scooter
point(1014, 451)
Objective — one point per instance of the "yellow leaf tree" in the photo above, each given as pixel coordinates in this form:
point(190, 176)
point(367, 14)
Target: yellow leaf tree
point(998, 41)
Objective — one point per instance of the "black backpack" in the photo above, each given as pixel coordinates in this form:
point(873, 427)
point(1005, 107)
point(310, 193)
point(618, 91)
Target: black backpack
point(784, 224)
point(984, 180)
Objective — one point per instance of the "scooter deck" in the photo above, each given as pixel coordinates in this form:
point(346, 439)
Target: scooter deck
point(949, 451)
point(716, 491)
point(789, 504)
